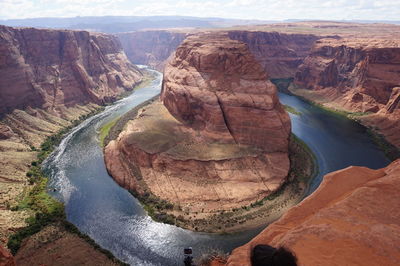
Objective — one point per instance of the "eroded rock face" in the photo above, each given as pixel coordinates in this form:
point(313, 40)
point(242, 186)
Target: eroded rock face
point(349, 220)
point(48, 79)
point(217, 141)
point(358, 75)
point(151, 47)
point(48, 68)
point(6, 259)
point(367, 68)
point(280, 54)
point(214, 85)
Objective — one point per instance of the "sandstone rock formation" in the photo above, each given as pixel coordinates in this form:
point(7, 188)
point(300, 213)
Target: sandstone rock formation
point(151, 47)
point(219, 89)
point(6, 259)
point(351, 219)
point(280, 54)
point(358, 75)
point(48, 79)
point(218, 141)
point(48, 68)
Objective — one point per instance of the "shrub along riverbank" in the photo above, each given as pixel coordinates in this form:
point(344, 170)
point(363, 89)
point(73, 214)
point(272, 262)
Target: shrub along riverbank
point(391, 151)
point(260, 213)
point(45, 209)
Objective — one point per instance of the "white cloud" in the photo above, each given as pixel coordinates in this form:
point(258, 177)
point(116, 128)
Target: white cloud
point(244, 9)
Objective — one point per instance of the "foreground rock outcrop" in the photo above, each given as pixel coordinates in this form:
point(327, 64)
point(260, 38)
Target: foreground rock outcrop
point(48, 79)
point(351, 219)
point(219, 138)
point(357, 75)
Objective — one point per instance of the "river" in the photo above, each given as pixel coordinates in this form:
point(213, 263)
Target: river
point(117, 222)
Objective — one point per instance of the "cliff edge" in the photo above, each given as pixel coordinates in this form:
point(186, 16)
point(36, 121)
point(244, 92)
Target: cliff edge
point(351, 219)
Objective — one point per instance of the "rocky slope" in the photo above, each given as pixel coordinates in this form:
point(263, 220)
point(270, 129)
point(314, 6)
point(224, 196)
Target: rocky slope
point(151, 47)
point(54, 245)
point(280, 54)
point(49, 78)
point(219, 139)
point(358, 75)
point(351, 219)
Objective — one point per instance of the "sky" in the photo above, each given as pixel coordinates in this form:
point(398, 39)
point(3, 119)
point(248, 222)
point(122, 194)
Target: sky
point(240, 9)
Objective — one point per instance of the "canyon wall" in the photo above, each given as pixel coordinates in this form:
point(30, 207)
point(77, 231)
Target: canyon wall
point(46, 68)
point(48, 79)
point(280, 54)
point(219, 138)
point(357, 75)
point(151, 47)
point(351, 219)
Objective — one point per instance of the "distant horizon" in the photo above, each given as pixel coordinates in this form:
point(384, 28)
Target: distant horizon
point(222, 18)
point(263, 10)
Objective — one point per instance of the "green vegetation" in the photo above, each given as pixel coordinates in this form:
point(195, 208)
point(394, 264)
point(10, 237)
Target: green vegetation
point(117, 127)
point(156, 208)
point(106, 129)
point(45, 209)
point(291, 109)
point(303, 169)
point(391, 151)
point(112, 129)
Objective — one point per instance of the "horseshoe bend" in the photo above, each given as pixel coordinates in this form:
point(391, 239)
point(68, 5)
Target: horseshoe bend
point(215, 143)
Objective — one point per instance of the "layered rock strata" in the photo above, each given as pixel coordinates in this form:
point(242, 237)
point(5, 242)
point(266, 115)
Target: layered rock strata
point(151, 47)
point(349, 220)
point(280, 54)
point(219, 138)
point(358, 75)
point(48, 79)
point(48, 68)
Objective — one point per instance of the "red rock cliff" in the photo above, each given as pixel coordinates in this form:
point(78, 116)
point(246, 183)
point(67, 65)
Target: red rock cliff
point(280, 54)
point(358, 75)
point(219, 139)
point(351, 219)
point(151, 47)
point(48, 68)
point(217, 87)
